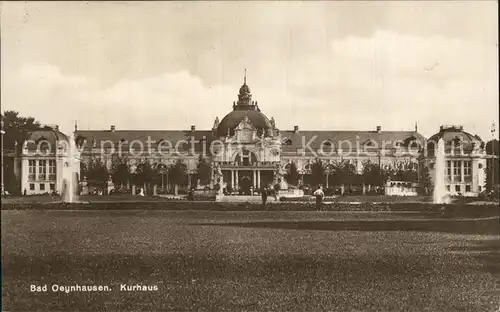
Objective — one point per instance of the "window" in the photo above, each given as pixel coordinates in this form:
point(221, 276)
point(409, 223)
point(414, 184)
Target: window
point(448, 188)
point(457, 169)
point(480, 166)
point(44, 147)
point(52, 169)
point(32, 170)
point(42, 187)
point(246, 158)
point(467, 168)
point(457, 188)
point(480, 189)
point(288, 142)
point(52, 186)
point(32, 186)
point(467, 188)
point(42, 169)
point(448, 169)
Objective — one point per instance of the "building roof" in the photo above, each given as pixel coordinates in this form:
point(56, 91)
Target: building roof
point(388, 139)
point(291, 140)
point(47, 135)
point(455, 135)
point(233, 119)
point(107, 138)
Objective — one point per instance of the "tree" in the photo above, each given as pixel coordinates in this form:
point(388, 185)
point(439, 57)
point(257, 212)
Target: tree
point(292, 175)
point(120, 172)
point(425, 180)
point(178, 174)
point(96, 172)
point(373, 174)
point(346, 173)
point(16, 130)
point(404, 171)
point(203, 171)
point(492, 164)
point(145, 173)
point(318, 172)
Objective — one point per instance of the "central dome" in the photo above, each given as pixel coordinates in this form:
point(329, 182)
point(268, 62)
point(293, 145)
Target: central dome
point(234, 118)
point(245, 107)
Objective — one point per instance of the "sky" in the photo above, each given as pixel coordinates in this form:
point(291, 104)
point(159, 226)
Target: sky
point(320, 65)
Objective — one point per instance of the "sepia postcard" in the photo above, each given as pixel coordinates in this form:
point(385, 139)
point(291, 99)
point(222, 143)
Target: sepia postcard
point(250, 156)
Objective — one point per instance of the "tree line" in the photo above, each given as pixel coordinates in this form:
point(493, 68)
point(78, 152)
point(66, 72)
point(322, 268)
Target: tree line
point(17, 127)
point(345, 173)
point(146, 174)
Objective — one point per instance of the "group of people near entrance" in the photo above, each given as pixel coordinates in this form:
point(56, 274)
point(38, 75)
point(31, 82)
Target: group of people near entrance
point(318, 193)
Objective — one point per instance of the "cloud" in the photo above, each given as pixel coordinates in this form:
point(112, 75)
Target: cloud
point(389, 79)
point(169, 101)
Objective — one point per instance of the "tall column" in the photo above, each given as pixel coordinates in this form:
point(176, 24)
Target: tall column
point(462, 171)
point(37, 165)
point(327, 180)
point(258, 179)
point(232, 178)
point(452, 172)
point(189, 180)
point(236, 178)
point(46, 170)
point(24, 174)
point(254, 179)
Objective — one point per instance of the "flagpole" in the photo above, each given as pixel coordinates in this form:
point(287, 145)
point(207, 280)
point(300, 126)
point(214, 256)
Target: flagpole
point(493, 156)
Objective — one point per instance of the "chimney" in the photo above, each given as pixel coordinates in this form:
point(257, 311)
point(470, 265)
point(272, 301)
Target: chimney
point(379, 128)
point(113, 128)
point(193, 128)
point(296, 129)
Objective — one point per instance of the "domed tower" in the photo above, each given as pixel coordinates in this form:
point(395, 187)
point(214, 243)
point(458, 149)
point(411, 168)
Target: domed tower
point(245, 97)
point(245, 109)
point(464, 158)
point(48, 157)
point(250, 150)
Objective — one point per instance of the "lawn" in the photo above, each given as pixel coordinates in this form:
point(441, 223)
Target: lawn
point(250, 261)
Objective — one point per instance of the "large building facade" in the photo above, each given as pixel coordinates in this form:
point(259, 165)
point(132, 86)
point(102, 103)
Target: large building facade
point(247, 150)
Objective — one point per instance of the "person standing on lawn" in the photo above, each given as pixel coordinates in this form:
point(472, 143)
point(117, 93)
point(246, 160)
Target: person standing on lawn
point(319, 197)
point(263, 193)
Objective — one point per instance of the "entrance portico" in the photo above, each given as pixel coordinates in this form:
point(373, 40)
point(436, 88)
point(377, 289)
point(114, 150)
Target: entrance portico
point(243, 177)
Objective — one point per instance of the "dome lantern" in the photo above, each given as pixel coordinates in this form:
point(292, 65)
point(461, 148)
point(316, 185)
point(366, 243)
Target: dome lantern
point(244, 108)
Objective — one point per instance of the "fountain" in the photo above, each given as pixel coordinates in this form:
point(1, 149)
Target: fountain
point(440, 194)
point(70, 178)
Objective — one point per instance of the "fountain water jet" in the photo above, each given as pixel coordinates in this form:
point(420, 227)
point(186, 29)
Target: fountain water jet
point(440, 195)
point(70, 178)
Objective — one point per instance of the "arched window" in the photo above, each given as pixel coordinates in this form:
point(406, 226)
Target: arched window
point(288, 142)
point(44, 146)
point(369, 143)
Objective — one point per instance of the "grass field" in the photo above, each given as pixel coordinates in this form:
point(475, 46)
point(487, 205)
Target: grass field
point(250, 261)
point(125, 198)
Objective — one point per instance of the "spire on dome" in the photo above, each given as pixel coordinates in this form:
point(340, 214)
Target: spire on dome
point(245, 77)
